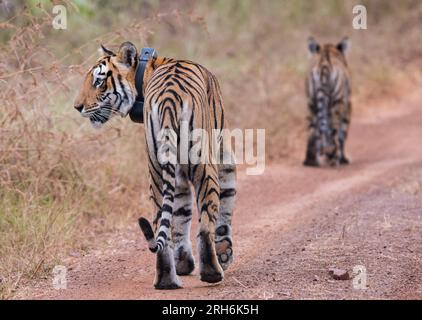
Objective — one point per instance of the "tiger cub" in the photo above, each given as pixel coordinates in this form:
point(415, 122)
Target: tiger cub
point(175, 92)
point(328, 93)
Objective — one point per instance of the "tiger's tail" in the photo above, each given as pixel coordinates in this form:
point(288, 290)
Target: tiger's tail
point(158, 243)
point(146, 228)
point(166, 154)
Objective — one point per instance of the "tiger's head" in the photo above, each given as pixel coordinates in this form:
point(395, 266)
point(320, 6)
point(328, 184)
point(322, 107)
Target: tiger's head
point(328, 51)
point(109, 86)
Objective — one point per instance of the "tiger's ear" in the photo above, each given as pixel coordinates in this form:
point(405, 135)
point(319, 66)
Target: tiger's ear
point(128, 54)
point(313, 46)
point(343, 45)
point(106, 52)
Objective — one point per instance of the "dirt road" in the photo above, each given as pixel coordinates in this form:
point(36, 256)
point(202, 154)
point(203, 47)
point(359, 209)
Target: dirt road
point(292, 224)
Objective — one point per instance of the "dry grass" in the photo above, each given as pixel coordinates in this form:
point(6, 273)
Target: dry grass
point(62, 183)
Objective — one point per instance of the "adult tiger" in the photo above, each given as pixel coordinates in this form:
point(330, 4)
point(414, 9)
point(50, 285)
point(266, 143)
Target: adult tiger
point(175, 92)
point(328, 93)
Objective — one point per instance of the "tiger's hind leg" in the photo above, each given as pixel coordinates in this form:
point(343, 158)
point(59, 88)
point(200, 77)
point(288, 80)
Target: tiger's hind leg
point(342, 137)
point(223, 231)
point(208, 193)
point(163, 184)
point(343, 159)
point(166, 277)
point(312, 152)
point(334, 155)
point(340, 123)
point(182, 218)
point(165, 272)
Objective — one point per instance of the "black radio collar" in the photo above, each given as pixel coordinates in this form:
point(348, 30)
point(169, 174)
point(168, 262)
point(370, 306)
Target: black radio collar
point(136, 113)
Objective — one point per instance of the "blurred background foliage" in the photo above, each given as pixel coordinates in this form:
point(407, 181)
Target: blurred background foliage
point(62, 184)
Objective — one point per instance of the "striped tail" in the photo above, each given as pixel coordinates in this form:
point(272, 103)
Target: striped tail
point(157, 244)
point(149, 235)
point(166, 155)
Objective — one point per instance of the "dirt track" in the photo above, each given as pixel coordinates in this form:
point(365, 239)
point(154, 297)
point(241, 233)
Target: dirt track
point(292, 224)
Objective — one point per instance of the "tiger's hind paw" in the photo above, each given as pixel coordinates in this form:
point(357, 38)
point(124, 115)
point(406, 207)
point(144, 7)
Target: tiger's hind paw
point(224, 253)
point(167, 286)
point(344, 161)
point(211, 275)
point(185, 262)
point(167, 280)
point(310, 163)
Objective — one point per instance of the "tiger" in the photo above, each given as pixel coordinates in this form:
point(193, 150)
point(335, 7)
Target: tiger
point(328, 90)
point(175, 91)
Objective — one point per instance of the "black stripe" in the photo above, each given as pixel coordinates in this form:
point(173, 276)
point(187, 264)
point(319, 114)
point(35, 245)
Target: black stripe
point(182, 194)
point(165, 223)
point(182, 212)
point(167, 208)
point(119, 78)
point(225, 193)
point(146, 228)
point(153, 134)
point(162, 234)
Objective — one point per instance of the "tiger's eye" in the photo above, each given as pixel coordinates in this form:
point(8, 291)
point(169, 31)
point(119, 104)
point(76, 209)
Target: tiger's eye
point(98, 82)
